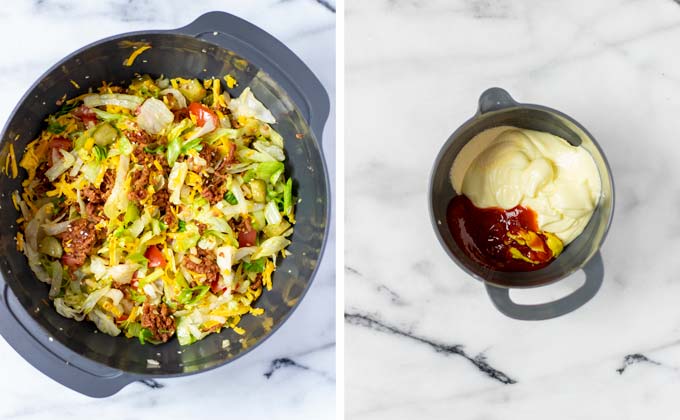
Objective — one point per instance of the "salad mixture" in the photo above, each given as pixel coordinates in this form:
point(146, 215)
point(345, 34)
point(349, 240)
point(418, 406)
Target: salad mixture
point(158, 208)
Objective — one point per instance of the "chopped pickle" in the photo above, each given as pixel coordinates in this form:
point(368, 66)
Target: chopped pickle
point(192, 89)
point(105, 135)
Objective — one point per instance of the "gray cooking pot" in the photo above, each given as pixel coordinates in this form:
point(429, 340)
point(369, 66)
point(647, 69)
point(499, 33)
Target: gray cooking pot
point(496, 108)
point(216, 44)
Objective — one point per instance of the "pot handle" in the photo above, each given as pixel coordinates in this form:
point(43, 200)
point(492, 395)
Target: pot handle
point(500, 296)
point(271, 55)
point(39, 352)
point(494, 99)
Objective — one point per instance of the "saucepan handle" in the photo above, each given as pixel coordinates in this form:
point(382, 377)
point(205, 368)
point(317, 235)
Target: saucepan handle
point(38, 352)
point(594, 271)
point(494, 99)
point(272, 56)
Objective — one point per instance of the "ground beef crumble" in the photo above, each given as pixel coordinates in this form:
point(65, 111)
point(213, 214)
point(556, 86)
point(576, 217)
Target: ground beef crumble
point(78, 241)
point(214, 188)
point(140, 181)
point(207, 266)
point(139, 136)
point(95, 198)
point(159, 320)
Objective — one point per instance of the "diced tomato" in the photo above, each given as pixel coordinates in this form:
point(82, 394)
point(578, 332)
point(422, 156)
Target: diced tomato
point(70, 261)
point(155, 257)
point(215, 287)
point(123, 317)
point(86, 115)
point(246, 234)
point(203, 114)
point(58, 143)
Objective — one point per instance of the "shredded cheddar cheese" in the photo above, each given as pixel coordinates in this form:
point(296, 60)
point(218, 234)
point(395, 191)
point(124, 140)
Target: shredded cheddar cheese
point(231, 82)
point(267, 275)
point(131, 59)
point(20, 241)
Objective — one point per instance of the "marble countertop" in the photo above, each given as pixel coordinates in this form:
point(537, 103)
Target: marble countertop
point(291, 376)
point(422, 338)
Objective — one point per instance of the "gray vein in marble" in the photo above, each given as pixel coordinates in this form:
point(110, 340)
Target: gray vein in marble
point(290, 361)
point(379, 287)
point(151, 383)
point(327, 5)
point(286, 362)
point(479, 361)
point(321, 347)
point(478, 9)
point(281, 363)
point(632, 359)
point(490, 9)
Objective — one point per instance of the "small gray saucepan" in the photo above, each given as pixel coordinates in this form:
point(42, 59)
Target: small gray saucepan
point(215, 44)
point(496, 108)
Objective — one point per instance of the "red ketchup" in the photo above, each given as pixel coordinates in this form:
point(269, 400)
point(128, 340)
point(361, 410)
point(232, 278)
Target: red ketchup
point(488, 236)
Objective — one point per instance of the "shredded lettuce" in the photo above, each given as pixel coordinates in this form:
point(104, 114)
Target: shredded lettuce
point(154, 116)
point(277, 229)
point(269, 171)
point(271, 213)
point(117, 99)
point(124, 145)
point(106, 116)
point(208, 127)
point(243, 252)
point(93, 298)
point(188, 330)
point(179, 98)
point(230, 133)
point(225, 259)
point(192, 295)
point(103, 322)
point(187, 239)
point(254, 266)
point(265, 147)
point(66, 311)
point(122, 273)
point(288, 197)
point(242, 203)
point(246, 105)
point(270, 247)
point(60, 166)
point(91, 171)
point(118, 200)
point(56, 273)
point(176, 181)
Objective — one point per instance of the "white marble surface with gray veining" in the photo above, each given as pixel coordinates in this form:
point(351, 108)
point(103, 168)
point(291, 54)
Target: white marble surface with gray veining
point(422, 338)
point(291, 376)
